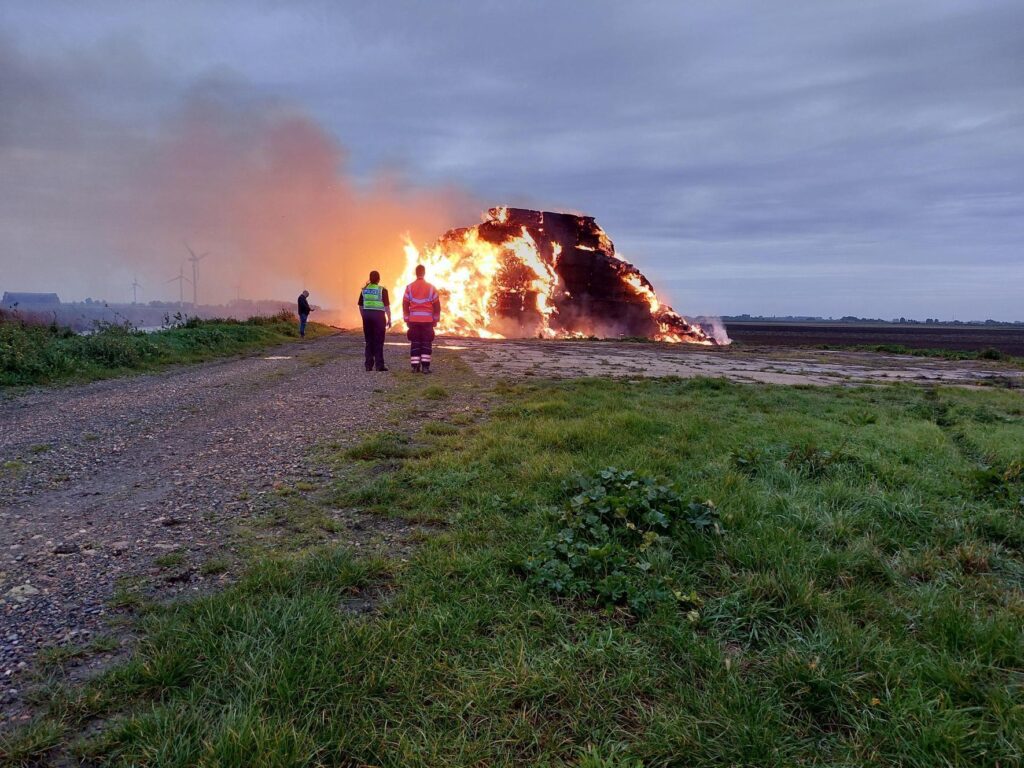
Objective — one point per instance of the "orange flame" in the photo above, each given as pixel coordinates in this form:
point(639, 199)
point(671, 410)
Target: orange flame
point(471, 275)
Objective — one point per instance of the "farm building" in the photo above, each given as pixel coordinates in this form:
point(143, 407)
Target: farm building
point(29, 300)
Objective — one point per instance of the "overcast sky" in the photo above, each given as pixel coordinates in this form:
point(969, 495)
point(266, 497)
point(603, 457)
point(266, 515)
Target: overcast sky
point(820, 157)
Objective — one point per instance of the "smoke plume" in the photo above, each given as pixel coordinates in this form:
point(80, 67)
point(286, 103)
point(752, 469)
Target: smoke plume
point(89, 201)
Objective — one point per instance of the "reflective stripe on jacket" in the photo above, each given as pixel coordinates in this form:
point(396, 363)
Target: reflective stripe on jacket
point(373, 297)
point(421, 304)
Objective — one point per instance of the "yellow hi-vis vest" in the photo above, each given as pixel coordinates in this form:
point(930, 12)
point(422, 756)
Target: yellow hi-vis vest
point(373, 297)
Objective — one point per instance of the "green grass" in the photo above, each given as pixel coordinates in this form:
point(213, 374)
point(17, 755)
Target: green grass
point(12, 467)
point(864, 605)
point(170, 560)
point(31, 354)
point(988, 353)
point(383, 445)
point(57, 655)
point(435, 393)
point(129, 595)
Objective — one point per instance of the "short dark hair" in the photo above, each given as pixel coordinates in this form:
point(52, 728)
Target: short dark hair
point(375, 276)
point(420, 270)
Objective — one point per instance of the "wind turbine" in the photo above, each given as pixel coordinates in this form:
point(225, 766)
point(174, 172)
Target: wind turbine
point(195, 273)
point(181, 284)
point(135, 290)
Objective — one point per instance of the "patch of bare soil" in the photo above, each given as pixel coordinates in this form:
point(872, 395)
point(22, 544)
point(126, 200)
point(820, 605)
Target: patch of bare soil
point(570, 359)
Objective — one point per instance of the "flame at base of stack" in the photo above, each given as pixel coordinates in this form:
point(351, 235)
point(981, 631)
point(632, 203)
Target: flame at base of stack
point(529, 274)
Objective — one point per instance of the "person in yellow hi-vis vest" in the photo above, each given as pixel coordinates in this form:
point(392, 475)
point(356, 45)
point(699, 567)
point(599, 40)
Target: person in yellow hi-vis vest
point(375, 307)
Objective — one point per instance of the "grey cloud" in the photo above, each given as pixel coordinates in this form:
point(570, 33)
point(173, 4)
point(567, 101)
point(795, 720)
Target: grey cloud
point(767, 142)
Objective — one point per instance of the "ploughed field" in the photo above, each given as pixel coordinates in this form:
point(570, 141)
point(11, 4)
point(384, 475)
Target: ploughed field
point(1009, 341)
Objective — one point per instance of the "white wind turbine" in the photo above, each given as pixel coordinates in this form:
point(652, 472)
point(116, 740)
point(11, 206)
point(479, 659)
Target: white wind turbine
point(181, 284)
point(195, 273)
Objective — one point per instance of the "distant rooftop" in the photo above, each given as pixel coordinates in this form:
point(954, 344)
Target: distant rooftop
point(12, 299)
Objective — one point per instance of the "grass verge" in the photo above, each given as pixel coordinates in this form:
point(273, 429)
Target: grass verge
point(863, 606)
point(34, 354)
point(989, 353)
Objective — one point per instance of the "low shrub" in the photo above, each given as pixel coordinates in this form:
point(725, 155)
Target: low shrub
point(810, 461)
point(1001, 481)
point(383, 445)
point(750, 460)
point(33, 353)
point(615, 539)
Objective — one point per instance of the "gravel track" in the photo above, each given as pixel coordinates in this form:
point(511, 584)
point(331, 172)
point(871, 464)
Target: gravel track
point(98, 481)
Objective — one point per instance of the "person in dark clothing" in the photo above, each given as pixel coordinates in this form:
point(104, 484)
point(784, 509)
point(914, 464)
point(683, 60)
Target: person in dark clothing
point(304, 310)
point(375, 307)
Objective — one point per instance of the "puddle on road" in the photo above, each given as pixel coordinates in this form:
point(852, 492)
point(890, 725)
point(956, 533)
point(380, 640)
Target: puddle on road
point(278, 357)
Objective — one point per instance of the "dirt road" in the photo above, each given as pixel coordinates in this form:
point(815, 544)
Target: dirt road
point(144, 477)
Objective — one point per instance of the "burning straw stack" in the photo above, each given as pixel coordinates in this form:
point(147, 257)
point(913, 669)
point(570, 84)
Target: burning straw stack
point(591, 291)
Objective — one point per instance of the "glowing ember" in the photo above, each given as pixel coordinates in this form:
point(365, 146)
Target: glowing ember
point(524, 273)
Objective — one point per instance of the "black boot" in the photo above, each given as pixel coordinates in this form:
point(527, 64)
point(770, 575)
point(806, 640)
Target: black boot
point(415, 367)
point(425, 367)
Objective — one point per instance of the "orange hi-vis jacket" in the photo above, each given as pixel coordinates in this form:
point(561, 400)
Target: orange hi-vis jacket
point(421, 304)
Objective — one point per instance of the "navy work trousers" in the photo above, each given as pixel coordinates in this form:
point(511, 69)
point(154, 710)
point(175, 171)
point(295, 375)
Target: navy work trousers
point(420, 335)
point(374, 326)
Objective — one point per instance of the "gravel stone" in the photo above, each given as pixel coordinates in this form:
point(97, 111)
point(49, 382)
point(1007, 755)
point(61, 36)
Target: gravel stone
point(144, 465)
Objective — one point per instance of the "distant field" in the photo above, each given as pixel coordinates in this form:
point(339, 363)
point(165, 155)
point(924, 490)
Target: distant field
point(1009, 341)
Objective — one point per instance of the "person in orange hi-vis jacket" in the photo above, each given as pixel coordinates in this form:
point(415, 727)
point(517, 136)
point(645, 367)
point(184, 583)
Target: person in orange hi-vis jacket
point(421, 310)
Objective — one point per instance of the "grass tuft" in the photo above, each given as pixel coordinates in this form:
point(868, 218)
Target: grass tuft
point(435, 392)
point(170, 560)
point(384, 445)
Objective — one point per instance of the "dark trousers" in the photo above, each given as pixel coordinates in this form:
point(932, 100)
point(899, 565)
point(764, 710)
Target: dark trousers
point(302, 324)
point(374, 326)
point(420, 337)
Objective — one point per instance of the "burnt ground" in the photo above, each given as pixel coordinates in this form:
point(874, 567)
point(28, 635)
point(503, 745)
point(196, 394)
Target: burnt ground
point(1009, 341)
point(154, 487)
point(773, 365)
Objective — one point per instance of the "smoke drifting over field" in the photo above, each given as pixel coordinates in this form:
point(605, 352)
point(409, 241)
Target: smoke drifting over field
point(89, 201)
point(267, 191)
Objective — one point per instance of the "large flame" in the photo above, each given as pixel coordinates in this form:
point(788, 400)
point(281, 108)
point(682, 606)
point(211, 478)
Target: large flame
point(479, 278)
point(460, 276)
